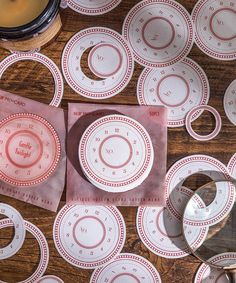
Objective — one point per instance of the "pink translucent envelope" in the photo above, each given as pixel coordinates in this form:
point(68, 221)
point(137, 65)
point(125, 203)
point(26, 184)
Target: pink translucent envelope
point(46, 194)
point(151, 192)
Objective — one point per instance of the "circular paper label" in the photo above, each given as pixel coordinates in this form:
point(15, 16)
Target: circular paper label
point(43, 245)
point(232, 166)
point(127, 268)
point(201, 164)
point(105, 60)
point(179, 88)
point(88, 7)
point(76, 78)
point(19, 231)
point(207, 274)
point(160, 32)
point(215, 28)
point(116, 153)
point(230, 102)
point(29, 149)
point(57, 76)
point(78, 243)
point(191, 117)
point(161, 233)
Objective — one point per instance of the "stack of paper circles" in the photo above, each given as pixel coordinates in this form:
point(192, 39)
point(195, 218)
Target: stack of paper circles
point(116, 153)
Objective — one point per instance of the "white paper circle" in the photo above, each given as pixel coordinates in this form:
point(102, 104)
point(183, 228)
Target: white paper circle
point(19, 233)
point(160, 32)
point(127, 268)
point(47, 62)
point(116, 153)
point(74, 75)
point(230, 102)
point(215, 28)
point(207, 274)
point(93, 8)
point(179, 88)
point(43, 245)
point(210, 167)
point(89, 236)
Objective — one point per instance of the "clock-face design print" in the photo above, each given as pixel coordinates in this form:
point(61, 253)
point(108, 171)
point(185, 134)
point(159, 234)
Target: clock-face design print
point(116, 153)
point(29, 149)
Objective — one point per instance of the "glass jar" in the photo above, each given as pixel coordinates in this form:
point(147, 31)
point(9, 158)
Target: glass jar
point(34, 34)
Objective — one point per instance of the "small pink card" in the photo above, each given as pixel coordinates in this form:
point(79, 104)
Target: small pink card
point(32, 151)
point(151, 191)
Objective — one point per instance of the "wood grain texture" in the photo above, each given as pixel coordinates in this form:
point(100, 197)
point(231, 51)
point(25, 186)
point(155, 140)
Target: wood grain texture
point(34, 81)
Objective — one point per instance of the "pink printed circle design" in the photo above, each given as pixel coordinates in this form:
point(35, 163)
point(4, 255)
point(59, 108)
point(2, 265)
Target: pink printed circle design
point(53, 278)
point(76, 78)
point(45, 160)
point(171, 37)
point(160, 242)
point(180, 78)
point(208, 166)
point(190, 117)
point(135, 266)
point(19, 231)
point(38, 148)
point(127, 275)
point(131, 177)
point(232, 166)
point(94, 69)
point(220, 44)
point(230, 102)
point(48, 63)
point(198, 89)
point(161, 231)
point(207, 274)
point(105, 6)
point(99, 240)
point(212, 25)
point(43, 245)
point(126, 161)
point(177, 45)
point(89, 257)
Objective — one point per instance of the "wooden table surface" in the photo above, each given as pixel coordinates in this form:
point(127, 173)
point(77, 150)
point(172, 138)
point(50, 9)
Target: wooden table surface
point(34, 81)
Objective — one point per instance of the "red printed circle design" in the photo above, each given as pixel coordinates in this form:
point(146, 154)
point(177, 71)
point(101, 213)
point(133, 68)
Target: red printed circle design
point(94, 227)
point(232, 166)
point(19, 231)
point(48, 63)
point(161, 232)
point(222, 35)
point(30, 149)
point(89, 252)
point(43, 245)
point(109, 50)
point(122, 139)
point(93, 8)
point(207, 274)
point(160, 32)
point(215, 28)
point(179, 88)
point(33, 143)
point(74, 75)
point(137, 269)
point(166, 81)
point(126, 168)
point(190, 117)
point(230, 102)
point(206, 165)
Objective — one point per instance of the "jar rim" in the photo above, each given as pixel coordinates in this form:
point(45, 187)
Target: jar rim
point(34, 26)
